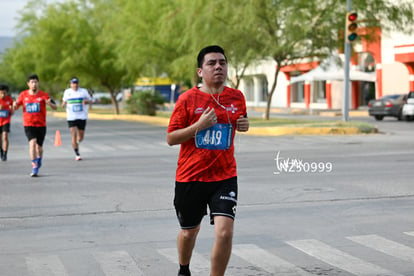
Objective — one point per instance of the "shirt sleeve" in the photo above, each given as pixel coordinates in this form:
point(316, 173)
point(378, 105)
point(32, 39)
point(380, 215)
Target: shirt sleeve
point(243, 105)
point(65, 96)
point(19, 100)
point(46, 96)
point(179, 117)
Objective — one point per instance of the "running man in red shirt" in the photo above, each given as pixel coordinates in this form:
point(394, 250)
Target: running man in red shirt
point(6, 110)
point(34, 103)
point(204, 122)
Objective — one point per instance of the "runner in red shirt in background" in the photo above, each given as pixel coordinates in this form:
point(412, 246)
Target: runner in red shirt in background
point(204, 122)
point(6, 110)
point(34, 103)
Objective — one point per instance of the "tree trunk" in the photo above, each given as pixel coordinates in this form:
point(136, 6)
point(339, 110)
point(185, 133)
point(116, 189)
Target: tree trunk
point(269, 97)
point(113, 100)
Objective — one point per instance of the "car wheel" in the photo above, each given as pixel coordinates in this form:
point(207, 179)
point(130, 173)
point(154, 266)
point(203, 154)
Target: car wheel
point(409, 118)
point(379, 117)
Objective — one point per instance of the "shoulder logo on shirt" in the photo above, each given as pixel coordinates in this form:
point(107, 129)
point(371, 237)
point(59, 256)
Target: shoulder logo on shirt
point(199, 110)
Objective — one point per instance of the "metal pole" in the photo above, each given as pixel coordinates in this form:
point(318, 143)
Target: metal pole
point(172, 96)
point(347, 46)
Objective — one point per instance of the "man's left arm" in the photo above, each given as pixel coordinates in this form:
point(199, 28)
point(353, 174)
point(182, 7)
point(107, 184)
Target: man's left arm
point(50, 102)
point(242, 124)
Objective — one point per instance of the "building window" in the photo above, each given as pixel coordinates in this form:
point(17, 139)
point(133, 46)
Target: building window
point(298, 92)
point(265, 89)
point(248, 89)
point(319, 92)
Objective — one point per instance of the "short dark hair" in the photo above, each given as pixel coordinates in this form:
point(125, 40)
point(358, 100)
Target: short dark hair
point(33, 77)
point(4, 87)
point(207, 50)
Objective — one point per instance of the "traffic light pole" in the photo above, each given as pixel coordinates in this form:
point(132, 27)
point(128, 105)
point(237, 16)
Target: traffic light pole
point(347, 46)
point(345, 105)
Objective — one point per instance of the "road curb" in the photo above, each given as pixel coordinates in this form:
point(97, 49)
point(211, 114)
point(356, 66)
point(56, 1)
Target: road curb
point(280, 131)
point(123, 117)
point(253, 131)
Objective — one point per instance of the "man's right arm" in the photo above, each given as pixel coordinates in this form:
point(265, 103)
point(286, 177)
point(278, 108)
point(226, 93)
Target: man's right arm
point(179, 136)
point(16, 103)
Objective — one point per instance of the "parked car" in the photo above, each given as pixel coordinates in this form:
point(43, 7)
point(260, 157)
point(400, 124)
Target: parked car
point(389, 105)
point(408, 108)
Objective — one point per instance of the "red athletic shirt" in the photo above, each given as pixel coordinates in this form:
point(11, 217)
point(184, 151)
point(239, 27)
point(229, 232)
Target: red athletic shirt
point(34, 108)
point(199, 164)
point(5, 111)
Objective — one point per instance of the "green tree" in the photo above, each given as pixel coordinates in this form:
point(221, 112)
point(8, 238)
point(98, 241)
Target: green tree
point(152, 39)
point(66, 39)
point(165, 36)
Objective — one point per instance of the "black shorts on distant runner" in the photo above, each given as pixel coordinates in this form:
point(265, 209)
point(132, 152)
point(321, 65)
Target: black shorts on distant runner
point(5, 128)
point(192, 198)
point(37, 133)
point(80, 124)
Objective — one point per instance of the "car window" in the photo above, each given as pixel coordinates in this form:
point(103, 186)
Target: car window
point(411, 95)
point(390, 97)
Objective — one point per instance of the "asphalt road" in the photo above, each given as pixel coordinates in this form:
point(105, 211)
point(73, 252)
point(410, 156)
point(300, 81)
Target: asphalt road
point(308, 205)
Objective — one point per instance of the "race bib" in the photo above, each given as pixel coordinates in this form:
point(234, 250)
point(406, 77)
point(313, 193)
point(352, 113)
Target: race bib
point(32, 107)
point(217, 137)
point(77, 107)
point(4, 113)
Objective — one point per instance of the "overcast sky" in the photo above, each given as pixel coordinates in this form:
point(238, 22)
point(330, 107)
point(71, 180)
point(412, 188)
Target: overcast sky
point(8, 12)
point(8, 15)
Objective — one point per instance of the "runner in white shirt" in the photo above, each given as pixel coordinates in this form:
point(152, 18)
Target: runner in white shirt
point(76, 101)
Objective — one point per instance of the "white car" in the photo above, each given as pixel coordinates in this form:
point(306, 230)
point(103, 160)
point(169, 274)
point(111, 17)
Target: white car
point(408, 108)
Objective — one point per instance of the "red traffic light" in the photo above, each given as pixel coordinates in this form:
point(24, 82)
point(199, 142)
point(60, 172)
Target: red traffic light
point(352, 16)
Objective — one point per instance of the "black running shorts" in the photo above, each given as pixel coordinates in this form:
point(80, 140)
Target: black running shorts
point(5, 128)
point(37, 133)
point(80, 124)
point(192, 198)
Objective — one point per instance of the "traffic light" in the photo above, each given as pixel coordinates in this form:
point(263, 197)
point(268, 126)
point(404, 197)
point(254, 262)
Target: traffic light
point(351, 26)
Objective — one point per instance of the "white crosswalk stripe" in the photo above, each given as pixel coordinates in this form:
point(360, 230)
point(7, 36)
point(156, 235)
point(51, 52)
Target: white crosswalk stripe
point(117, 263)
point(266, 261)
point(409, 233)
point(100, 147)
point(386, 246)
point(45, 266)
point(127, 146)
point(340, 259)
